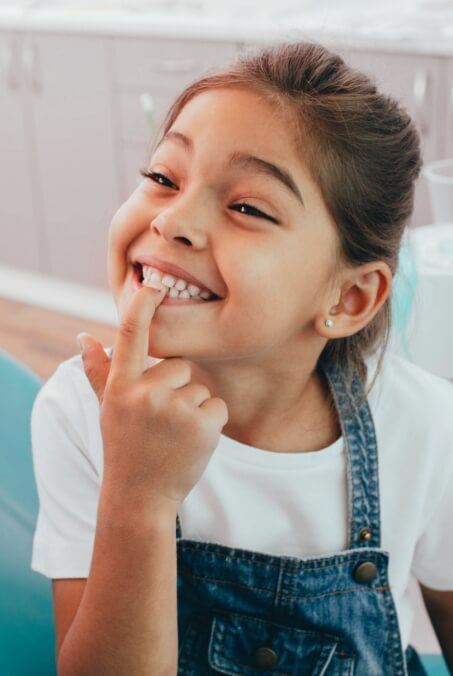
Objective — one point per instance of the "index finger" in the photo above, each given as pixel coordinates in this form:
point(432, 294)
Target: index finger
point(130, 352)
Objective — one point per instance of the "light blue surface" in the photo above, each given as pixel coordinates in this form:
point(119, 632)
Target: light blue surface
point(26, 618)
point(435, 665)
point(405, 283)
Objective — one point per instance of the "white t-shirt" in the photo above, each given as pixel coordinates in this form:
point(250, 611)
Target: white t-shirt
point(292, 504)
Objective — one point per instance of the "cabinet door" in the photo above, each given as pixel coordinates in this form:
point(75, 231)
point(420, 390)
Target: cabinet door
point(70, 80)
point(19, 207)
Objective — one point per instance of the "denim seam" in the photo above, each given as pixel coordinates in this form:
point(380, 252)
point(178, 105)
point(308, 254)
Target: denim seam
point(279, 585)
point(342, 421)
point(294, 597)
point(338, 568)
point(392, 635)
point(234, 583)
point(343, 557)
point(290, 595)
point(251, 619)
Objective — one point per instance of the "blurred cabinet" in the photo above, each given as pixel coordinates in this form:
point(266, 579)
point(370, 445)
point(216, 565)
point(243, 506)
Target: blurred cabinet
point(72, 128)
point(21, 240)
point(62, 190)
point(148, 74)
point(449, 109)
point(416, 82)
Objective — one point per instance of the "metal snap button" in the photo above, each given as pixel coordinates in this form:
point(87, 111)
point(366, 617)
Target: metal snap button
point(364, 534)
point(265, 658)
point(365, 571)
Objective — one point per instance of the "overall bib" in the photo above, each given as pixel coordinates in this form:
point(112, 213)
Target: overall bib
point(242, 612)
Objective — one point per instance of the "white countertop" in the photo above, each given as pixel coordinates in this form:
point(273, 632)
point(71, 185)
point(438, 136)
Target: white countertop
point(409, 26)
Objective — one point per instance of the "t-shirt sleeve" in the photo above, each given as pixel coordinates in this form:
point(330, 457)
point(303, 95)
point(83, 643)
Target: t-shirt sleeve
point(432, 563)
point(67, 480)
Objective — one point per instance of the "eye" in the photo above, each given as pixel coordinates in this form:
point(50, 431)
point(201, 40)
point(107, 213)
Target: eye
point(257, 212)
point(155, 176)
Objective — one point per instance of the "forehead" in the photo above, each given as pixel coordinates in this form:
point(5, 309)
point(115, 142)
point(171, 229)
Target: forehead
point(238, 119)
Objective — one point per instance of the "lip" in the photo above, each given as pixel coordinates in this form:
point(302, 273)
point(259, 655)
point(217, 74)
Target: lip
point(172, 269)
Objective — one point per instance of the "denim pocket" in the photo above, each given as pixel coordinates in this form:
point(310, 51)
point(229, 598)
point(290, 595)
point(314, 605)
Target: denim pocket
point(241, 644)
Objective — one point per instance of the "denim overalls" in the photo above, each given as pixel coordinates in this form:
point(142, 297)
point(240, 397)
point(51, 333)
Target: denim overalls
point(249, 613)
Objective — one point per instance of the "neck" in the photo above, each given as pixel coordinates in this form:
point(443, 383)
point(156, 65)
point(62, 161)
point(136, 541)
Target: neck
point(294, 412)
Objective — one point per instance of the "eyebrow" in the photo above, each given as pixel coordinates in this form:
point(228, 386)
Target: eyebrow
point(244, 160)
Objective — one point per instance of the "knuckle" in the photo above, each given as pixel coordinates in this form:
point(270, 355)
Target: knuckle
point(183, 366)
point(180, 405)
point(200, 391)
point(216, 410)
point(118, 395)
point(153, 397)
point(205, 391)
point(128, 327)
point(113, 388)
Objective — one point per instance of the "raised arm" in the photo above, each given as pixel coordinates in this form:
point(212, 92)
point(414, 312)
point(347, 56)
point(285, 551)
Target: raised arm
point(126, 622)
point(159, 431)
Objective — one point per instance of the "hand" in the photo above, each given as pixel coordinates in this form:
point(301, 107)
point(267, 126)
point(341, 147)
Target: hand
point(159, 430)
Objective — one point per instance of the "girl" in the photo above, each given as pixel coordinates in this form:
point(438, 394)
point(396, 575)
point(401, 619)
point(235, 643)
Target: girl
point(229, 490)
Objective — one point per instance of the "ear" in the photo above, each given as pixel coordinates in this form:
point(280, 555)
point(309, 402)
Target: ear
point(363, 293)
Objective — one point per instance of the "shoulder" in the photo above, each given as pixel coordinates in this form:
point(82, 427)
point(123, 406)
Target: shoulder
point(417, 389)
point(414, 388)
point(66, 388)
point(413, 413)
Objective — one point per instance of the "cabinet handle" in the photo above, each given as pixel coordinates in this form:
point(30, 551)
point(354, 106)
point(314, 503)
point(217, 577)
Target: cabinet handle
point(421, 82)
point(176, 65)
point(30, 63)
point(8, 66)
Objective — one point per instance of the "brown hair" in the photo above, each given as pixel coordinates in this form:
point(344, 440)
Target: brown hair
point(361, 148)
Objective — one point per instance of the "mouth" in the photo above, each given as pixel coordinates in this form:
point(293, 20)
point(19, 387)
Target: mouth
point(138, 282)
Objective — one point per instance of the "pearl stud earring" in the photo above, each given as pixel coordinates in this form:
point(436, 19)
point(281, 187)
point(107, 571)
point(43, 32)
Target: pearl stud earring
point(329, 322)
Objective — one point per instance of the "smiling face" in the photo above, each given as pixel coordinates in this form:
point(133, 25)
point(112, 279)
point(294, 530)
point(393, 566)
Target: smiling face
point(269, 260)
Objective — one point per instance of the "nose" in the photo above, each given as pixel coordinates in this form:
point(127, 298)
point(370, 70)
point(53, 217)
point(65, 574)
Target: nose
point(169, 230)
point(184, 221)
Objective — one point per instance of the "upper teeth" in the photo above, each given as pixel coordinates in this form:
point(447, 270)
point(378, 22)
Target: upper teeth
point(176, 285)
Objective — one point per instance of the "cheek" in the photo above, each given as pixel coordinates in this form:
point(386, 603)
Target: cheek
point(257, 302)
point(126, 226)
point(130, 219)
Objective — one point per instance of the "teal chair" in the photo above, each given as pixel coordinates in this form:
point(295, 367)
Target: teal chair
point(27, 632)
point(403, 292)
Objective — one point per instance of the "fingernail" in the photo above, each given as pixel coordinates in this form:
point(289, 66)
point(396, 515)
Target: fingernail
point(156, 285)
point(82, 340)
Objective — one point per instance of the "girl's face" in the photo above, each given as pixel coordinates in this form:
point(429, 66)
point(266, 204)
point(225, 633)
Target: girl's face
point(269, 260)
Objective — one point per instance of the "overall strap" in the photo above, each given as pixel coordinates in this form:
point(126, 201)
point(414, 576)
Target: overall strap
point(359, 436)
